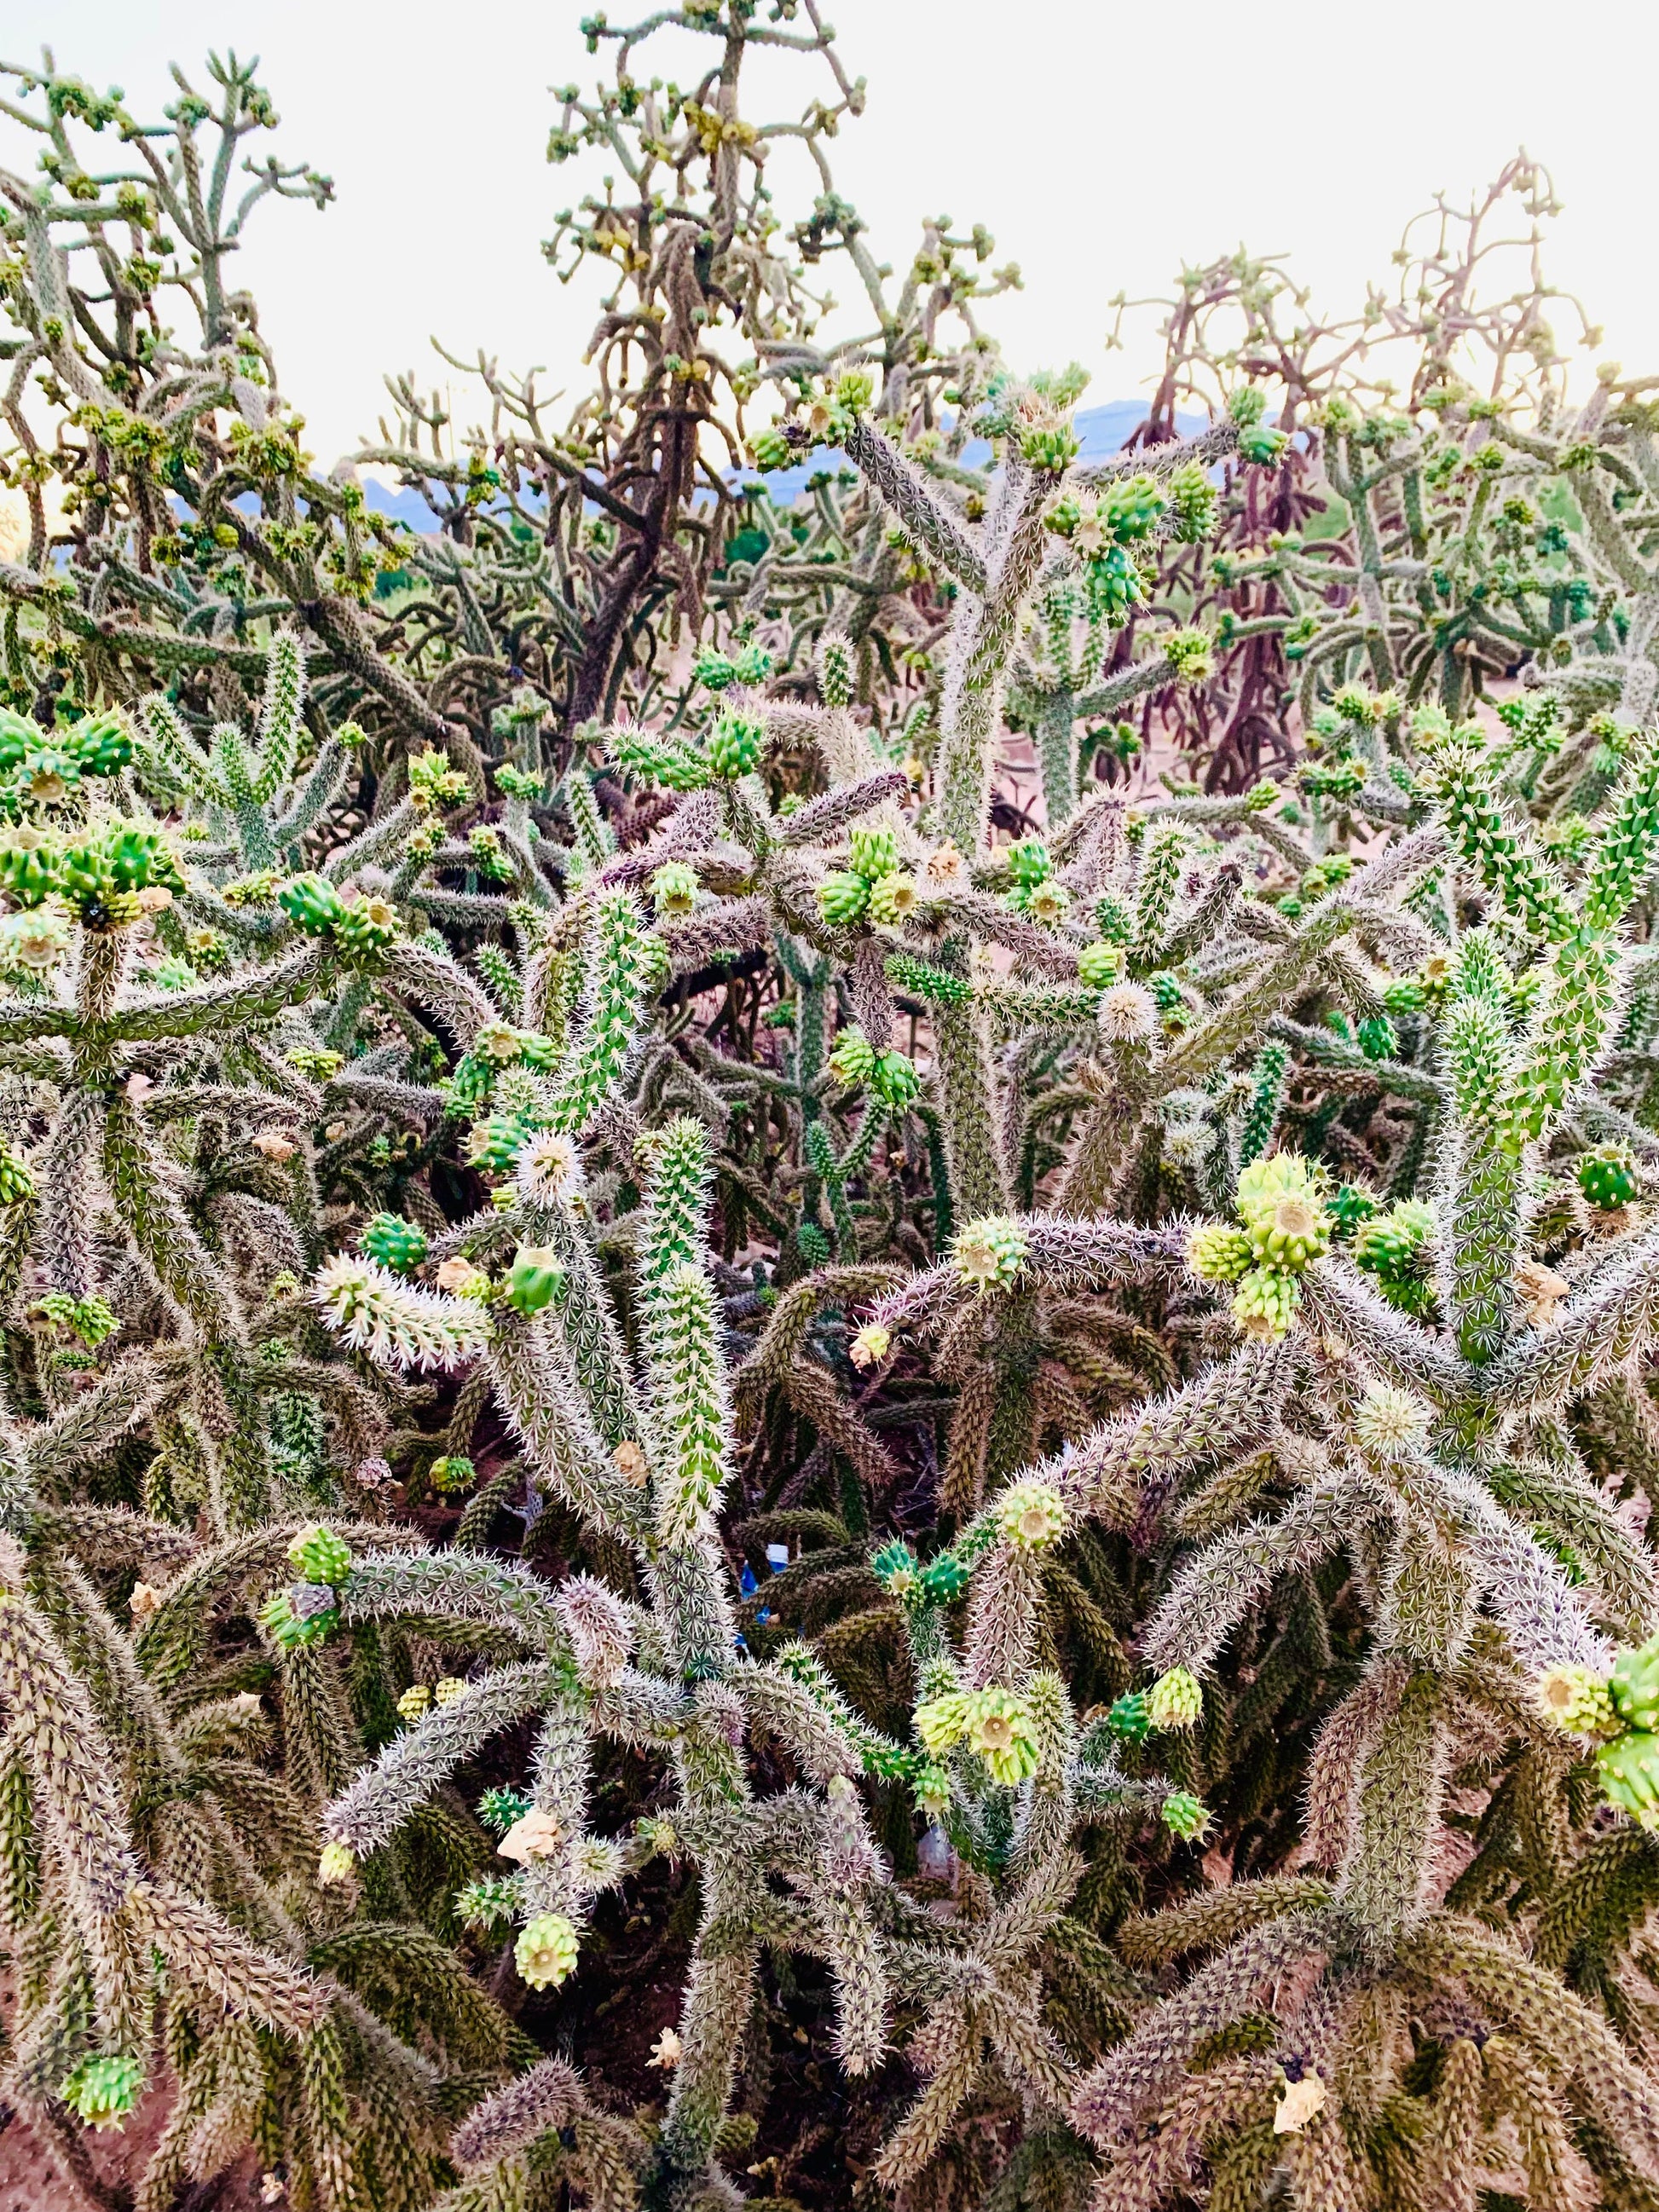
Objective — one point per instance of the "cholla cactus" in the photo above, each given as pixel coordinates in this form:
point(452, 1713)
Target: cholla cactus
point(631, 1331)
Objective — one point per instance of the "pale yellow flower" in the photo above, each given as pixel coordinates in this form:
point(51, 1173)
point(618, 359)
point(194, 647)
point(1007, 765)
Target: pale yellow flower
point(1303, 2100)
point(537, 1836)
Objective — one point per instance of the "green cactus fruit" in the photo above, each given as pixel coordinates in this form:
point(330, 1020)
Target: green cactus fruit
point(534, 1279)
point(753, 664)
point(290, 1626)
point(1193, 499)
point(674, 888)
point(842, 898)
point(318, 1555)
point(999, 1729)
point(1388, 1244)
point(1174, 1700)
point(894, 1078)
point(1112, 586)
point(18, 734)
point(494, 1142)
point(1100, 964)
point(1128, 1718)
point(1634, 1687)
point(334, 1865)
point(1606, 1176)
point(1578, 1702)
point(990, 1254)
point(1629, 1771)
point(1031, 1516)
point(944, 1579)
point(452, 1473)
point(1050, 450)
point(1047, 902)
point(484, 845)
point(1297, 1232)
point(1218, 1252)
point(496, 1043)
point(103, 2091)
point(502, 1810)
point(1404, 996)
point(942, 1720)
point(93, 1319)
point(712, 670)
point(256, 889)
point(30, 859)
point(312, 903)
point(853, 1062)
point(394, 1241)
point(1184, 1815)
point(1265, 1303)
point(469, 1086)
point(931, 1790)
point(322, 1066)
point(892, 897)
point(49, 773)
point(894, 1566)
point(364, 930)
point(56, 1308)
point(872, 852)
point(1376, 1038)
point(546, 1950)
point(1281, 1207)
point(1260, 447)
point(1029, 862)
point(734, 747)
point(1351, 1205)
point(16, 1182)
point(141, 859)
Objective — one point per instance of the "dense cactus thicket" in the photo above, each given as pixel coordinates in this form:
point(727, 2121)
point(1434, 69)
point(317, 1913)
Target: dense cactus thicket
point(823, 1318)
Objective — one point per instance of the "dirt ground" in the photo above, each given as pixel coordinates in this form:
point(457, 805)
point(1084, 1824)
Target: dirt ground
point(32, 2180)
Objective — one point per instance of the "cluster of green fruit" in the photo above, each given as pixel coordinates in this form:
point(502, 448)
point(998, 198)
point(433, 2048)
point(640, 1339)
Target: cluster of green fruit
point(107, 876)
point(871, 884)
point(305, 1612)
point(1393, 1244)
point(903, 1574)
point(1284, 1225)
point(359, 930)
point(731, 749)
point(1288, 1217)
point(90, 1320)
point(1037, 891)
point(470, 1087)
point(43, 768)
point(1621, 1711)
point(890, 1075)
point(433, 784)
point(16, 1181)
point(719, 672)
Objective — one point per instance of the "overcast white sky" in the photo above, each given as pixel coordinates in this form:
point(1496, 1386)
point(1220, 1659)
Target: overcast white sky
point(1102, 145)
